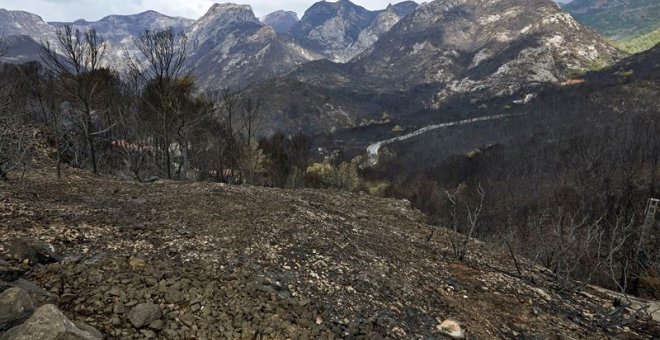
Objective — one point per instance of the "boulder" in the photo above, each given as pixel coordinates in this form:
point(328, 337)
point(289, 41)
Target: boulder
point(48, 323)
point(15, 307)
point(34, 251)
point(38, 294)
point(144, 314)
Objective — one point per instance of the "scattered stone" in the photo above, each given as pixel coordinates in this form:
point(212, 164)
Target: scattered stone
point(48, 323)
point(136, 263)
point(15, 307)
point(451, 329)
point(89, 329)
point(33, 251)
point(173, 295)
point(119, 308)
point(157, 325)
point(144, 314)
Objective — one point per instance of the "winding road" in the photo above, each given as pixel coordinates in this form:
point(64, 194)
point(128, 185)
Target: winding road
point(372, 150)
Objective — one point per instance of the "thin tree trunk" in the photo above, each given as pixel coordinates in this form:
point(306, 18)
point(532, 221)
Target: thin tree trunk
point(167, 159)
point(58, 160)
point(90, 141)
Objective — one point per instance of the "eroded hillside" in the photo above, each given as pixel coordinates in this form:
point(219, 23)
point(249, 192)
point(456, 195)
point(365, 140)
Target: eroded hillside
point(227, 261)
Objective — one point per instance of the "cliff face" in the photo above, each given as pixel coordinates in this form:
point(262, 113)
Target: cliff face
point(330, 28)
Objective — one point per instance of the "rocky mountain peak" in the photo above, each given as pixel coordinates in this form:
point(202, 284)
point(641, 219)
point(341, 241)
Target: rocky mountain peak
point(220, 18)
point(403, 8)
point(281, 21)
point(230, 12)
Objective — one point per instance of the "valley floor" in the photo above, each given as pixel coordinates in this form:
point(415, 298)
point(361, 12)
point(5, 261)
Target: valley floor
point(230, 262)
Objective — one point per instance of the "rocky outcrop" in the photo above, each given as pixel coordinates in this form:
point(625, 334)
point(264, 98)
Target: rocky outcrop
point(330, 28)
point(381, 25)
point(48, 323)
point(32, 251)
point(281, 21)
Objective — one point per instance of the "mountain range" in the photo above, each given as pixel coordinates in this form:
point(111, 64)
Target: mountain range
point(341, 65)
point(617, 19)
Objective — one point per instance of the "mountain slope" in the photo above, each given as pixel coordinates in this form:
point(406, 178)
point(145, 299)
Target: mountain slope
point(639, 43)
point(20, 49)
point(597, 101)
point(385, 20)
point(231, 48)
point(497, 47)
point(617, 19)
point(224, 262)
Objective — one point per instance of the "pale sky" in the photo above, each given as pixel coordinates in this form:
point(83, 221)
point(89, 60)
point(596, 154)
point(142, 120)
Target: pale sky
point(92, 10)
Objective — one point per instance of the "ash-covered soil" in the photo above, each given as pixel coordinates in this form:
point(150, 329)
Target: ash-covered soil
point(256, 263)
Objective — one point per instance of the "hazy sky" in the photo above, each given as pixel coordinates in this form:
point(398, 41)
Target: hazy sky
point(69, 10)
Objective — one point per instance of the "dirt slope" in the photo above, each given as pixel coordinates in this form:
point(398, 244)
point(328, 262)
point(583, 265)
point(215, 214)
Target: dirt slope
point(230, 262)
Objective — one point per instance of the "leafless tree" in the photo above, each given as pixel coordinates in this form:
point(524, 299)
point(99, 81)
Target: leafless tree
point(249, 156)
point(76, 59)
point(575, 237)
point(160, 69)
point(460, 238)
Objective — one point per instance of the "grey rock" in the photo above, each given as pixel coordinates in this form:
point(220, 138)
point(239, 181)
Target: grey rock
point(33, 250)
point(156, 325)
point(144, 314)
point(281, 21)
point(173, 295)
point(48, 323)
point(15, 307)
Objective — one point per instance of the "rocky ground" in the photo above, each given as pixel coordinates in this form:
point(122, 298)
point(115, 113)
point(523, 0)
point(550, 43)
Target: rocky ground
point(184, 260)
